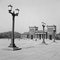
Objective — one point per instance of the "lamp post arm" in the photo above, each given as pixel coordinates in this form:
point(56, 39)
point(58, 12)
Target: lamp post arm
point(10, 12)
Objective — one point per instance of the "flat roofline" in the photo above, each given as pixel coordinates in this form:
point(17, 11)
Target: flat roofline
point(51, 25)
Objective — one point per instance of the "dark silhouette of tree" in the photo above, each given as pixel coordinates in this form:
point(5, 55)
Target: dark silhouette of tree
point(9, 34)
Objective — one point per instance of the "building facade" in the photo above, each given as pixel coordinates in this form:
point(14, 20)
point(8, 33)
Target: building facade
point(51, 31)
point(35, 33)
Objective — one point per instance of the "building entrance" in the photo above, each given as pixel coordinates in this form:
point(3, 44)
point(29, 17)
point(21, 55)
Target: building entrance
point(40, 36)
point(50, 37)
point(31, 36)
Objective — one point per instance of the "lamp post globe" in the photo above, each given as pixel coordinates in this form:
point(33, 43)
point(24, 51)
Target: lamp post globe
point(10, 7)
point(17, 11)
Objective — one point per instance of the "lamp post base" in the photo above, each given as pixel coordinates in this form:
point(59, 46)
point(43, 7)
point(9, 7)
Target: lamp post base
point(44, 42)
point(14, 47)
point(54, 41)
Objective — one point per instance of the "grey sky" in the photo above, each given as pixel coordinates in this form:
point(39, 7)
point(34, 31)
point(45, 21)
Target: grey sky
point(32, 13)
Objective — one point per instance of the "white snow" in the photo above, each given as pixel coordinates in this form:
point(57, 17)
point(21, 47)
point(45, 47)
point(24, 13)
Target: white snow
point(31, 50)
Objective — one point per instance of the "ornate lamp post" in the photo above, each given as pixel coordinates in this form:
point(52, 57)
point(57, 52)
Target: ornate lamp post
point(13, 13)
point(43, 25)
point(54, 32)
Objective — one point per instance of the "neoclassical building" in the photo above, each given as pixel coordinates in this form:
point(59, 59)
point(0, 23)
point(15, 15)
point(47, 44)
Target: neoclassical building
point(35, 33)
point(51, 31)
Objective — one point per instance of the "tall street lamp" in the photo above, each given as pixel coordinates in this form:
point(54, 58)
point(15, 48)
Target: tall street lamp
point(54, 32)
point(43, 25)
point(13, 13)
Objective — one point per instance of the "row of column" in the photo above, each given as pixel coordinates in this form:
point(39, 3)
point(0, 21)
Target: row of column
point(40, 36)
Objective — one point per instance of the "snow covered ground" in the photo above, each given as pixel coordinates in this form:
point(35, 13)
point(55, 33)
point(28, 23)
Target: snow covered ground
point(31, 50)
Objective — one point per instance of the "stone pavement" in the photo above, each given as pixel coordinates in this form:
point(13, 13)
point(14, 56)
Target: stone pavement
point(31, 50)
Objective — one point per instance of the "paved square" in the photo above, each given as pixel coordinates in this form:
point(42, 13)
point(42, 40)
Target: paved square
point(31, 50)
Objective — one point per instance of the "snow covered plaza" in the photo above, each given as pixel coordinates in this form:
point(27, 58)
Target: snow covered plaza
point(31, 50)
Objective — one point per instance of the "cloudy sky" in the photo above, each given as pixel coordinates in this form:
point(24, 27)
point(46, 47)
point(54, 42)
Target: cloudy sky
point(32, 13)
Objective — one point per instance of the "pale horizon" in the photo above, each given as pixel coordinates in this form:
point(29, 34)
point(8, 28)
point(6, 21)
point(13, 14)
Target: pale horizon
point(32, 13)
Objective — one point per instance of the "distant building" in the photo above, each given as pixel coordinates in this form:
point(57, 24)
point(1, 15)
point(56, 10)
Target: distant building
point(58, 36)
point(35, 33)
point(25, 35)
point(51, 31)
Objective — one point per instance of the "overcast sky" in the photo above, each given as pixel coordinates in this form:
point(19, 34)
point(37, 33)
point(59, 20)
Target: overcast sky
point(32, 13)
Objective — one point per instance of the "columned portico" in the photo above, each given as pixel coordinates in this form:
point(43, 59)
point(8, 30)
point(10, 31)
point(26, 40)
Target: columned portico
point(40, 35)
